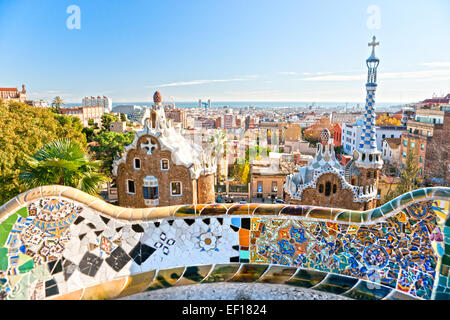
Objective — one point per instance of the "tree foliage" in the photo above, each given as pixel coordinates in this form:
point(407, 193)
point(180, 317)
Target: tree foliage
point(62, 162)
point(409, 177)
point(387, 120)
point(107, 118)
point(110, 146)
point(24, 130)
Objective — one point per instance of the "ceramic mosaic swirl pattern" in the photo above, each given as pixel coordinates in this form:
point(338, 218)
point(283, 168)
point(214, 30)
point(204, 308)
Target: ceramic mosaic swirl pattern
point(59, 243)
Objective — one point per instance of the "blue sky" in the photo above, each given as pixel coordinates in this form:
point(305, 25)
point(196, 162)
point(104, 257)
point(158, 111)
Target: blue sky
point(253, 50)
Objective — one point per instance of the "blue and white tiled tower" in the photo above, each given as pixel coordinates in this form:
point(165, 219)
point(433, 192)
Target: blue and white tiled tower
point(368, 155)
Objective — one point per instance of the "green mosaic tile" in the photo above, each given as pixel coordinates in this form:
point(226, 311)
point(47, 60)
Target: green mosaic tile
point(23, 212)
point(446, 259)
point(419, 193)
point(3, 259)
point(442, 192)
point(442, 296)
point(27, 266)
point(407, 197)
point(5, 228)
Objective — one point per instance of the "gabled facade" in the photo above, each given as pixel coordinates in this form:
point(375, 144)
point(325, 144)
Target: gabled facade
point(161, 168)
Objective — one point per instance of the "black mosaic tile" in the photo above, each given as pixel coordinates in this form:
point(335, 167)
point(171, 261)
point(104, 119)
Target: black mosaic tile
point(157, 224)
point(236, 247)
point(234, 259)
point(81, 236)
point(99, 232)
point(51, 288)
point(137, 228)
point(57, 267)
point(90, 225)
point(170, 222)
point(118, 229)
point(207, 221)
point(78, 220)
point(220, 220)
point(245, 223)
point(90, 264)
point(105, 220)
point(234, 228)
point(189, 221)
point(118, 259)
point(141, 252)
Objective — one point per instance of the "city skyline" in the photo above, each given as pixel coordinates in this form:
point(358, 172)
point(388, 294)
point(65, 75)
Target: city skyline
point(256, 51)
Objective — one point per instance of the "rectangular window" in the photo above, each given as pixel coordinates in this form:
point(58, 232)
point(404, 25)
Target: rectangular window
point(130, 187)
point(404, 154)
point(175, 189)
point(422, 146)
point(405, 143)
point(137, 164)
point(164, 164)
point(421, 159)
point(150, 193)
point(274, 186)
point(413, 144)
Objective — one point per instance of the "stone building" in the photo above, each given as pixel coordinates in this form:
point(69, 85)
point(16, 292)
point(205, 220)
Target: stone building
point(85, 114)
point(325, 182)
point(161, 168)
point(13, 94)
point(314, 131)
point(428, 137)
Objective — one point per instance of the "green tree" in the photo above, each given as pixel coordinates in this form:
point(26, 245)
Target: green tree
point(123, 117)
point(56, 103)
point(110, 146)
point(107, 118)
point(409, 177)
point(62, 162)
point(218, 147)
point(23, 131)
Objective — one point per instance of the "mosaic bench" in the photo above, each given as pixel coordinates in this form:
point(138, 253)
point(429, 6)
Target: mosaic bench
point(59, 243)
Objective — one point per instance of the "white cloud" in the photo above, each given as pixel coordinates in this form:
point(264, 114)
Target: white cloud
point(197, 82)
point(439, 64)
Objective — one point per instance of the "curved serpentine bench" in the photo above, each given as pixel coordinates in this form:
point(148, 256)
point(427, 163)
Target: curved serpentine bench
point(57, 242)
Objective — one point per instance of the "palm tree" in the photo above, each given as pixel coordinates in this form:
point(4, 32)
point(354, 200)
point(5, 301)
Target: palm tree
point(57, 102)
point(63, 162)
point(218, 147)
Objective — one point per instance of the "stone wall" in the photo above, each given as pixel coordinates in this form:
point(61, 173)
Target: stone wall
point(342, 198)
point(205, 189)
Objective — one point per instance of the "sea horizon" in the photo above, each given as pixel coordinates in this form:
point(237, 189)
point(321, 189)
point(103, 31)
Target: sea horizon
point(263, 104)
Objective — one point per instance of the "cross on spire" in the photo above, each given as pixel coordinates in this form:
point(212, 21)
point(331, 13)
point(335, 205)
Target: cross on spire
point(373, 44)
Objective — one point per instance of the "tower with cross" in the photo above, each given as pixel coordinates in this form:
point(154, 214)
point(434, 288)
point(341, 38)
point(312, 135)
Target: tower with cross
point(368, 157)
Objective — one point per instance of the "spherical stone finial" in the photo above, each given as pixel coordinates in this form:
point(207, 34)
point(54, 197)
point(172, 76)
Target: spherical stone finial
point(157, 97)
point(325, 136)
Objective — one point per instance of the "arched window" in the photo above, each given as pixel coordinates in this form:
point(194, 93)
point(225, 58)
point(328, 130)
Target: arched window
point(320, 188)
point(327, 188)
point(368, 174)
point(370, 157)
point(334, 188)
